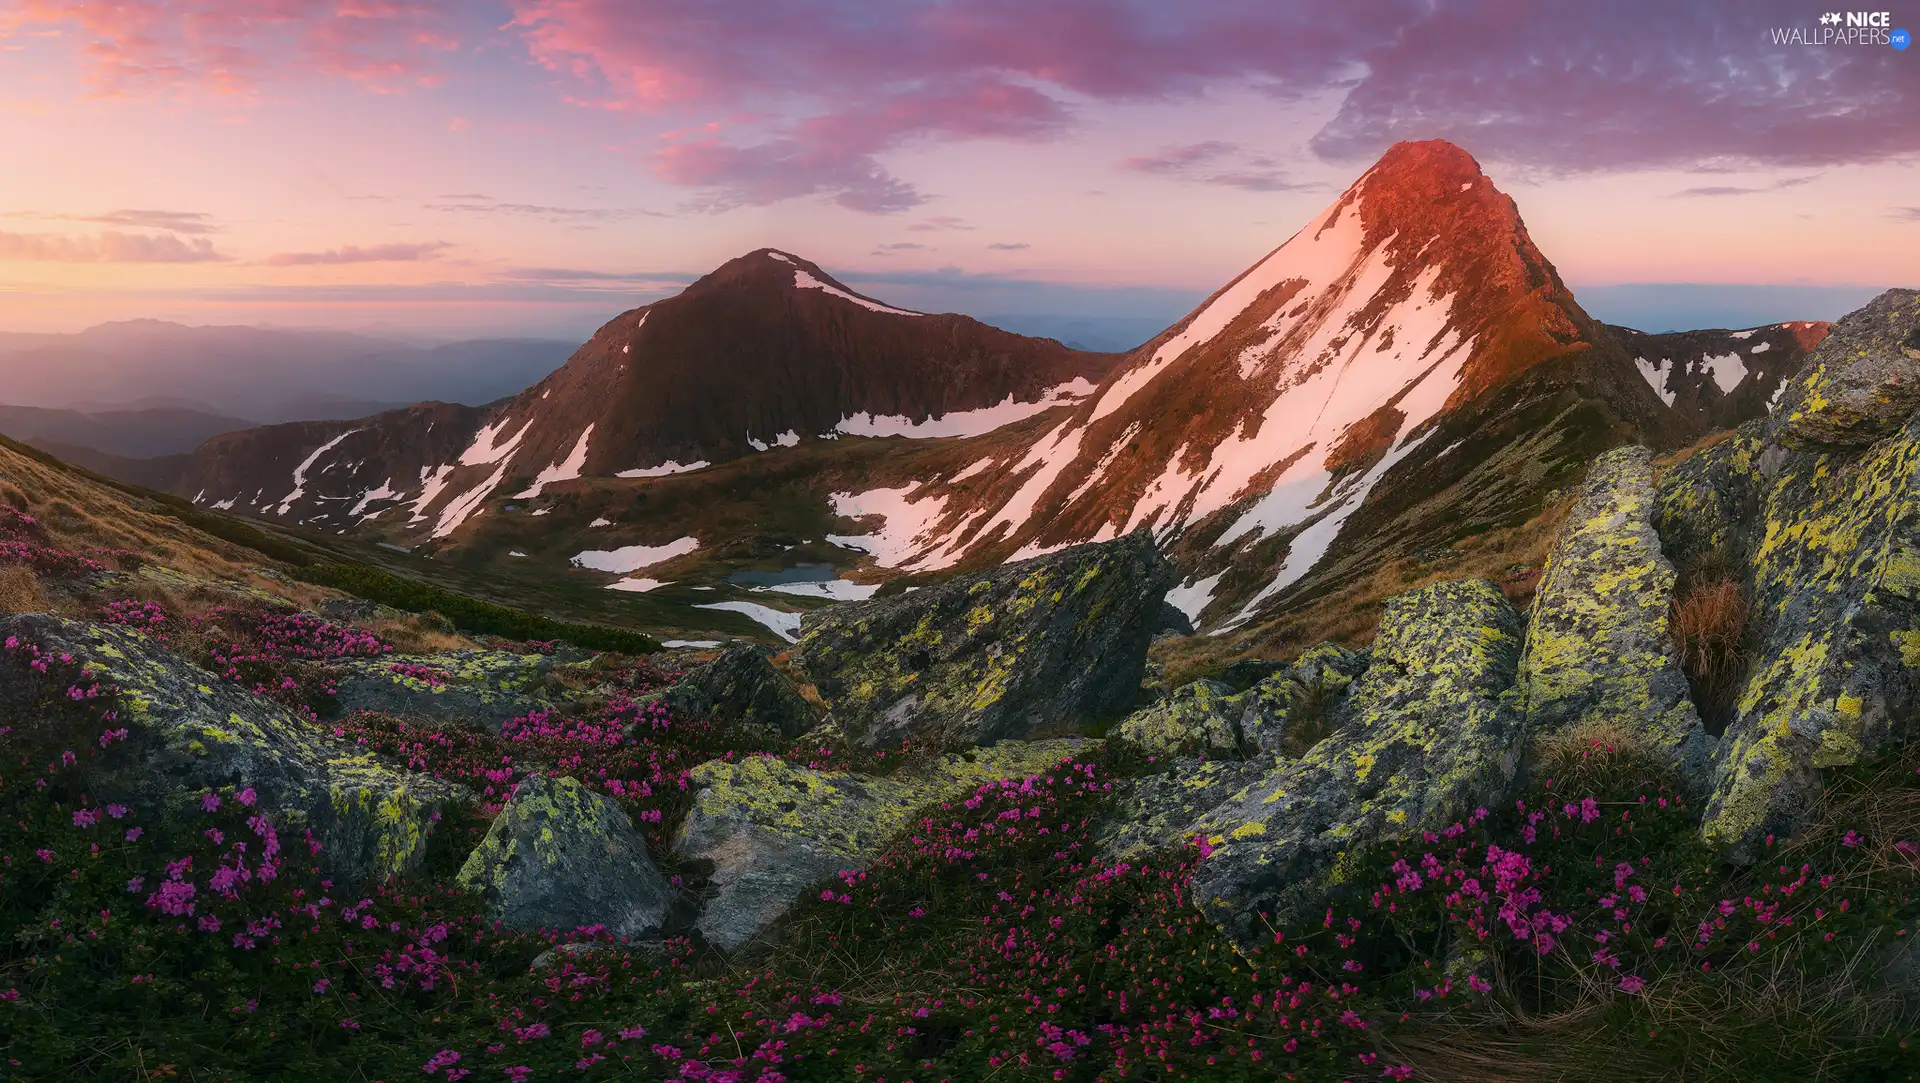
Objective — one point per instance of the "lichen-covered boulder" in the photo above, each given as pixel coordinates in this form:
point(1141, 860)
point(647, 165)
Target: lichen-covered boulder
point(194, 731)
point(1598, 649)
point(479, 688)
point(1161, 810)
point(1429, 733)
point(772, 829)
point(1305, 694)
point(1834, 584)
point(1707, 506)
point(560, 856)
point(1052, 642)
point(1200, 717)
point(743, 687)
point(1862, 384)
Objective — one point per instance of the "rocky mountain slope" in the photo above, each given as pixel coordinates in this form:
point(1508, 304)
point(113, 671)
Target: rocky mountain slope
point(766, 352)
point(953, 834)
point(1721, 379)
point(1406, 369)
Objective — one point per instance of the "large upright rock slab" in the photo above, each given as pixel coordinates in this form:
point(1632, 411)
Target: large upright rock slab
point(560, 856)
point(772, 829)
point(1833, 571)
point(195, 731)
point(1056, 641)
point(1430, 732)
point(1598, 650)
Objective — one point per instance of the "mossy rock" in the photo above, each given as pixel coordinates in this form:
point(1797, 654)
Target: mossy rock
point(483, 689)
point(1862, 383)
point(1161, 810)
point(1430, 732)
point(772, 829)
point(1708, 505)
point(1056, 642)
point(197, 732)
point(1208, 716)
point(743, 687)
point(1834, 584)
point(1598, 649)
point(560, 856)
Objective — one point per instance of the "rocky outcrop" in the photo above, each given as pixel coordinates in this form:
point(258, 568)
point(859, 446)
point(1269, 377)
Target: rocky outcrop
point(560, 856)
point(1831, 563)
point(1430, 732)
point(194, 732)
point(1208, 716)
point(743, 687)
point(1056, 641)
point(1162, 810)
point(1863, 384)
point(1198, 717)
point(771, 829)
point(478, 688)
point(1598, 649)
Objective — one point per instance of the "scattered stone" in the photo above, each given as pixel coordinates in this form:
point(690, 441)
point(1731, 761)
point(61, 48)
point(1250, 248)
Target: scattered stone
point(1248, 672)
point(1430, 732)
point(1598, 648)
point(772, 829)
point(1054, 642)
point(483, 689)
point(742, 686)
point(560, 856)
point(195, 732)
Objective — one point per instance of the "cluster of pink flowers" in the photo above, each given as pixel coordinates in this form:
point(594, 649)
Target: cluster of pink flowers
point(22, 542)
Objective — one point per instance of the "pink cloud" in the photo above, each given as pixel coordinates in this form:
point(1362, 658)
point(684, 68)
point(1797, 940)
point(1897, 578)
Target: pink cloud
point(109, 246)
point(379, 253)
point(1177, 159)
point(229, 48)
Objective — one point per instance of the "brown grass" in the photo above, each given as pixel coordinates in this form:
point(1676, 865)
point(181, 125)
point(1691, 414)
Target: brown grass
point(20, 591)
point(1667, 462)
point(1709, 625)
point(1510, 557)
point(419, 633)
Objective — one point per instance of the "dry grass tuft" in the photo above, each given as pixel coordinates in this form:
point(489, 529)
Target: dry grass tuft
point(20, 591)
point(1709, 627)
point(419, 633)
point(1583, 757)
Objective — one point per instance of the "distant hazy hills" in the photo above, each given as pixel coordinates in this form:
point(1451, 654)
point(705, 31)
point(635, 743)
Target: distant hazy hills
point(263, 375)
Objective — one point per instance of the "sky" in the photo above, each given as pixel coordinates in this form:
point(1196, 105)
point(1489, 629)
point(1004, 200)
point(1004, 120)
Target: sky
point(463, 168)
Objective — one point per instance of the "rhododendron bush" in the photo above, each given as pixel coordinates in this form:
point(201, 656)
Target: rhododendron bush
point(989, 941)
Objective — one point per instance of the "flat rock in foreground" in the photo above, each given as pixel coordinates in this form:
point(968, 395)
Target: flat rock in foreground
point(199, 732)
point(1054, 642)
point(772, 829)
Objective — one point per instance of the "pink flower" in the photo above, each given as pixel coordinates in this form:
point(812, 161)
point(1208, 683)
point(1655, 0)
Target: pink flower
point(209, 801)
point(1632, 983)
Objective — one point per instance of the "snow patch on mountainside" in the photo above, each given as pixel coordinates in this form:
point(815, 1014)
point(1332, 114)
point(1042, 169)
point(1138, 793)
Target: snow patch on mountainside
point(484, 450)
point(632, 558)
point(384, 491)
point(1193, 598)
point(805, 281)
point(782, 623)
point(463, 506)
point(665, 468)
point(907, 527)
point(565, 470)
point(1727, 370)
point(636, 585)
point(1655, 378)
point(839, 590)
point(964, 422)
point(300, 472)
point(1318, 254)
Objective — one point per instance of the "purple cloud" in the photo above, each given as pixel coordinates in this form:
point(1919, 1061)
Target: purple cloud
point(379, 253)
point(109, 246)
point(1174, 160)
point(1001, 246)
